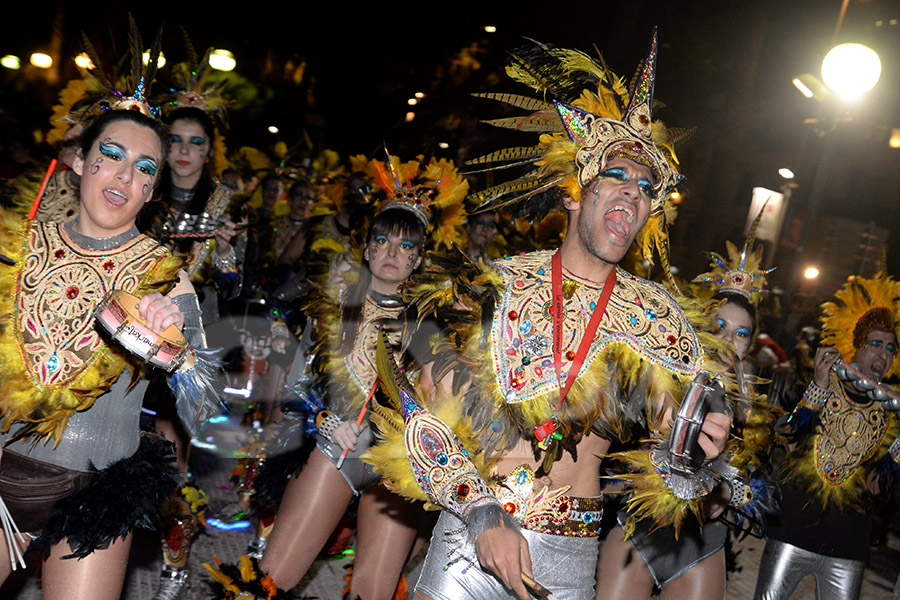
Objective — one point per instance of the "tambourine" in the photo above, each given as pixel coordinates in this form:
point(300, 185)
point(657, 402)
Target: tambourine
point(866, 385)
point(118, 314)
point(703, 396)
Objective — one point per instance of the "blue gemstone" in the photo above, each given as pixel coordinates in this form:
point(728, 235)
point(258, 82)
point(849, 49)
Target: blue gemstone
point(593, 305)
point(588, 517)
point(662, 328)
point(651, 314)
point(442, 459)
point(53, 363)
point(525, 327)
point(522, 477)
point(633, 319)
point(540, 271)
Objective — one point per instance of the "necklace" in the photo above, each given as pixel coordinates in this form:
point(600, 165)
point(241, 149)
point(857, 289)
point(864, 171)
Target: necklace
point(92, 243)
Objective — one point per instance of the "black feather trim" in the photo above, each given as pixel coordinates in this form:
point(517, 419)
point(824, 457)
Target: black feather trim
point(127, 494)
point(275, 473)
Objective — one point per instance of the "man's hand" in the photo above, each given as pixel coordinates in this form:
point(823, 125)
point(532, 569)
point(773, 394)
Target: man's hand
point(504, 552)
point(346, 435)
point(714, 434)
point(826, 356)
point(158, 312)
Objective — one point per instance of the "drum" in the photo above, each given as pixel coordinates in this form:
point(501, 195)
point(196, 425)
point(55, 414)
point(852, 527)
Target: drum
point(118, 314)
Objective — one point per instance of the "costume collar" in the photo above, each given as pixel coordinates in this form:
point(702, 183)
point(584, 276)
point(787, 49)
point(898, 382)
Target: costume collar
point(91, 243)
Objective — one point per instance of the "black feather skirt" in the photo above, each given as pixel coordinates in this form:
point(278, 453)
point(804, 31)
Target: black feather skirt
point(126, 495)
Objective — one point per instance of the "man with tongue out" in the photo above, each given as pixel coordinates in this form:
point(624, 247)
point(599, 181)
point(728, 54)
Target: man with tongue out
point(565, 355)
point(844, 451)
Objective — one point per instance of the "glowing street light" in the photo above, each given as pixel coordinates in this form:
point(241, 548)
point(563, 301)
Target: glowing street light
point(83, 61)
point(41, 60)
point(786, 173)
point(412, 101)
point(811, 272)
point(11, 61)
point(410, 116)
point(851, 70)
point(160, 60)
point(490, 29)
point(894, 142)
point(419, 95)
point(273, 129)
point(222, 60)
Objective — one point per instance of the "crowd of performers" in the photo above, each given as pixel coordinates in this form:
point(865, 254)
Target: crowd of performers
point(555, 425)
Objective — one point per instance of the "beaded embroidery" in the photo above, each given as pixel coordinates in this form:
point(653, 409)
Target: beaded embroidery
point(56, 292)
point(361, 360)
point(60, 202)
point(849, 434)
point(640, 314)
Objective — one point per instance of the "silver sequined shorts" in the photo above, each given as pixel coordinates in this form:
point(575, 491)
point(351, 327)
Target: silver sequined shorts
point(358, 475)
point(565, 565)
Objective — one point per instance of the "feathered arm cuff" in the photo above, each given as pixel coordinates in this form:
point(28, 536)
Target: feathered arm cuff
point(805, 415)
point(750, 502)
point(195, 398)
point(444, 471)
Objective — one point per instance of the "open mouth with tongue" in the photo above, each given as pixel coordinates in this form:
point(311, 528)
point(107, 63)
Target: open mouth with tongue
point(619, 220)
point(115, 197)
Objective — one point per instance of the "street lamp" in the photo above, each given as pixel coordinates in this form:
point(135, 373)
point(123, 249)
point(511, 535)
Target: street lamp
point(851, 70)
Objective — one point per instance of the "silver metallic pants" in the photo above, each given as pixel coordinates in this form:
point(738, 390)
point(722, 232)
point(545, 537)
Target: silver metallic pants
point(566, 566)
point(783, 566)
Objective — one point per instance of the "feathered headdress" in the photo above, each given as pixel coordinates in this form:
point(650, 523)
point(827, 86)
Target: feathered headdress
point(128, 88)
point(860, 306)
point(740, 273)
point(433, 192)
point(589, 118)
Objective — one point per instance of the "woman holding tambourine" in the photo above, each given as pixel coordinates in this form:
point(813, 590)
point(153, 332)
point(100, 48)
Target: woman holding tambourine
point(76, 475)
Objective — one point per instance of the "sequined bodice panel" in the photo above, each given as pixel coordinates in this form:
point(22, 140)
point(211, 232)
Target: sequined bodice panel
point(848, 435)
point(361, 360)
point(640, 314)
point(58, 288)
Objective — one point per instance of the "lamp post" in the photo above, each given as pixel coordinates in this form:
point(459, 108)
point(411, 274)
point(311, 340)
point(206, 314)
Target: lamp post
point(849, 71)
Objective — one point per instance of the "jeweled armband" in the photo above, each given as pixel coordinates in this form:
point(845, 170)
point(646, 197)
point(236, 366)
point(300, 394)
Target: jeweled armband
point(440, 464)
point(327, 422)
point(741, 494)
point(815, 397)
point(227, 263)
point(894, 451)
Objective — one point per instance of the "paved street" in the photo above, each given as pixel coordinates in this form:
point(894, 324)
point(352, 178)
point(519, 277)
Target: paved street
point(326, 579)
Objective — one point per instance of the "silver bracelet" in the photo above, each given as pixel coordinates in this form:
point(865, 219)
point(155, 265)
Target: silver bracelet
point(225, 263)
point(815, 397)
point(328, 426)
point(741, 494)
point(894, 450)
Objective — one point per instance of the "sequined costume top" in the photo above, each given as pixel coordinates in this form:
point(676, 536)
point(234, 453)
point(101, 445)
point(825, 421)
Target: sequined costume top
point(60, 202)
point(642, 331)
point(832, 462)
point(56, 364)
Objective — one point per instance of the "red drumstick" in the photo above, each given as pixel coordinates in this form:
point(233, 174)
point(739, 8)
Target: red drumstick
point(359, 420)
point(37, 201)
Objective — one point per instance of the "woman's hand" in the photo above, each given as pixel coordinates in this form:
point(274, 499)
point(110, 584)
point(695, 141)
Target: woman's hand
point(717, 500)
point(159, 312)
point(826, 356)
point(346, 435)
point(224, 235)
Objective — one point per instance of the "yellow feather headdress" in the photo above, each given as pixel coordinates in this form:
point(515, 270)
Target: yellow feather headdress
point(860, 306)
point(591, 118)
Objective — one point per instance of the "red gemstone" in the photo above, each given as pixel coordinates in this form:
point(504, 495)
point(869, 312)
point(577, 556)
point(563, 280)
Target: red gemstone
point(671, 339)
point(509, 507)
point(175, 536)
point(564, 507)
point(513, 315)
point(59, 253)
point(516, 383)
point(462, 490)
point(108, 265)
point(570, 356)
point(72, 293)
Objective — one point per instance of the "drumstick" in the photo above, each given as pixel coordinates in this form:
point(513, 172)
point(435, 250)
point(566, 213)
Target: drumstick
point(539, 590)
point(359, 420)
point(37, 201)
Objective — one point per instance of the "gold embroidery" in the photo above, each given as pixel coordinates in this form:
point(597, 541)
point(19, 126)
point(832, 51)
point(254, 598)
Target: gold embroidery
point(849, 434)
point(640, 314)
point(58, 288)
point(60, 202)
point(361, 360)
